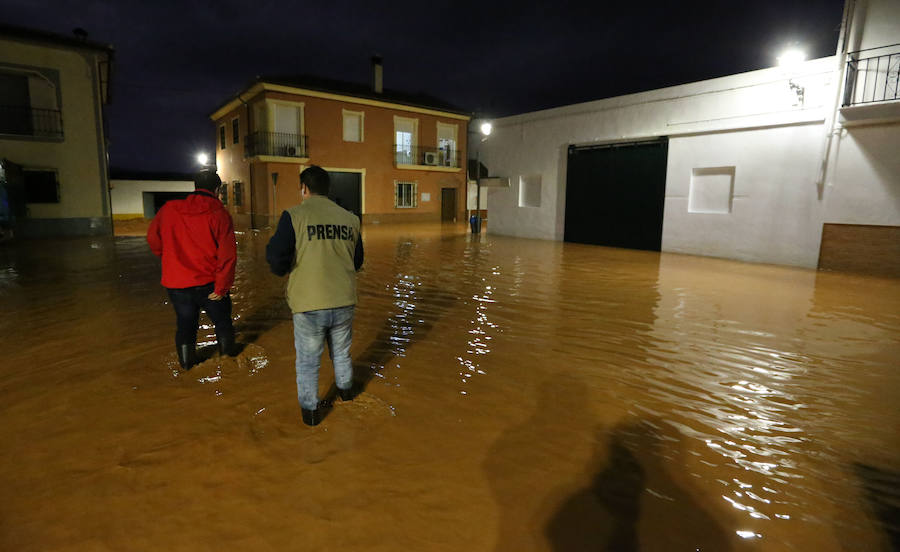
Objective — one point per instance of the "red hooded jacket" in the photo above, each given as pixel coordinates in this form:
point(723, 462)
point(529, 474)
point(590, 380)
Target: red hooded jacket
point(195, 239)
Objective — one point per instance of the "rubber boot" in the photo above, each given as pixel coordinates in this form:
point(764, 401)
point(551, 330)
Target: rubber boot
point(346, 394)
point(311, 417)
point(227, 346)
point(186, 356)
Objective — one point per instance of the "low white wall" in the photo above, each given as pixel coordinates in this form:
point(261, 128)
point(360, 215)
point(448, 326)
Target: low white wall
point(128, 195)
point(752, 121)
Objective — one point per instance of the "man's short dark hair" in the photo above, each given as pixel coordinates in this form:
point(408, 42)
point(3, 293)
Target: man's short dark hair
point(316, 179)
point(207, 180)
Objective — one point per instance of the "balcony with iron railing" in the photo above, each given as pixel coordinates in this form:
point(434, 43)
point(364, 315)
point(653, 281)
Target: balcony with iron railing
point(872, 86)
point(426, 158)
point(32, 122)
point(276, 144)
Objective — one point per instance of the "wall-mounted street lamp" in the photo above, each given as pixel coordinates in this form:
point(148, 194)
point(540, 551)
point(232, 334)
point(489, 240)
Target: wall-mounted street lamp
point(485, 130)
point(789, 60)
point(203, 159)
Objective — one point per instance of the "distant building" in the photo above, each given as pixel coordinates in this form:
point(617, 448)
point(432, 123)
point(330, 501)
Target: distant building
point(392, 156)
point(52, 132)
point(140, 194)
point(789, 165)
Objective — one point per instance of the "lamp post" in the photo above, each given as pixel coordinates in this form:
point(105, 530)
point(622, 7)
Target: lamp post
point(485, 130)
point(202, 159)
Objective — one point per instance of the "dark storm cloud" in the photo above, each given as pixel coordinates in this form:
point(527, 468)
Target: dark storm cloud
point(178, 61)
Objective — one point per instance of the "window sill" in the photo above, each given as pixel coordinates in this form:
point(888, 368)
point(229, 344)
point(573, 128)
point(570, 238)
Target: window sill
point(431, 168)
point(278, 159)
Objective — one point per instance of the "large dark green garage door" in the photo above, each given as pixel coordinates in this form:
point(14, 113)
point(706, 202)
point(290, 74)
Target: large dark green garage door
point(615, 194)
point(346, 190)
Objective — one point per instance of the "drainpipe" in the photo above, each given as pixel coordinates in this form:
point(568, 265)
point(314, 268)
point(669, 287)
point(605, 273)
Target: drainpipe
point(274, 195)
point(831, 121)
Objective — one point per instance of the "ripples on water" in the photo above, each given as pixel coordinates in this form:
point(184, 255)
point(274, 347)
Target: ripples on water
point(519, 395)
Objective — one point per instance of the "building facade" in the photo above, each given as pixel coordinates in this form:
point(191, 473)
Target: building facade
point(53, 147)
point(391, 157)
point(790, 165)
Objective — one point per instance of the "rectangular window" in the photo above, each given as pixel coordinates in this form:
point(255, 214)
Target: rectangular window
point(222, 137)
point(223, 193)
point(405, 195)
point(238, 193)
point(235, 131)
point(405, 140)
point(353, 126)
point(41, 186)
point(446, 137)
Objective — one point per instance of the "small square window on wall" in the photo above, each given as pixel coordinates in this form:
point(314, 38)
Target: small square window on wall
point(235, 131)
point(238, 193)
point(41, 186)
point(353, 125)
point(530, 191)
point(405, 195)
point(223, 193)
point(222, 137)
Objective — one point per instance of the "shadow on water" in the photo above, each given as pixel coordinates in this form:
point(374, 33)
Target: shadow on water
point(882, 490)
point(627, 500)
point(609, 512)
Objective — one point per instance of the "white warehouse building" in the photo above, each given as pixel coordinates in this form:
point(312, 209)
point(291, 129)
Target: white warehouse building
point(790, 165)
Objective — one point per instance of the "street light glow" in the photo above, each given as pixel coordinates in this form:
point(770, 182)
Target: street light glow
point(791, 57)
point(486, 128)
point(202, 158)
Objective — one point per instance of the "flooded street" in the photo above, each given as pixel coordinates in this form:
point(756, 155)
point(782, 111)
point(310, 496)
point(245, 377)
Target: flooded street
point(519, 395)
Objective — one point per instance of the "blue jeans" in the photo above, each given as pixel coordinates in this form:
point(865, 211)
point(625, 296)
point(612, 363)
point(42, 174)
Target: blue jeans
point(311, 330)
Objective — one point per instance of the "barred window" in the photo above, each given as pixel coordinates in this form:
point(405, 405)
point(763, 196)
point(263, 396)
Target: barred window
point(235, 131)
point(222, 137)
point(223, 193)
point(238, 193)
point(405, 195)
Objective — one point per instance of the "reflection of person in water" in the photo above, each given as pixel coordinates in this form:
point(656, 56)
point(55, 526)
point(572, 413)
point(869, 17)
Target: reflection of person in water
point(195, 239)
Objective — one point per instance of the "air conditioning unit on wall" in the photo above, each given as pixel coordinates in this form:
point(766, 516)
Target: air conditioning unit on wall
point(431, 158)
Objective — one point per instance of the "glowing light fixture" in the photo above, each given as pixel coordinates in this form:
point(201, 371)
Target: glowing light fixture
point(791, 57)
point(202, 158)
point(486, 128)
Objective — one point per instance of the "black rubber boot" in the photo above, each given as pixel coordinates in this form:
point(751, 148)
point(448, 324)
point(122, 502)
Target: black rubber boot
point(186, 356)
point(311, 417)
point(346, 394)
point(227, 346)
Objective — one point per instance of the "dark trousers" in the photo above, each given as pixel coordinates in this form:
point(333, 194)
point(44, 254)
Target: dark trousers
point(188, 303)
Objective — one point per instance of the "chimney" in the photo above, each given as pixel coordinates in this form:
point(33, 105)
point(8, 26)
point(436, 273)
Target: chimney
point(377, 75)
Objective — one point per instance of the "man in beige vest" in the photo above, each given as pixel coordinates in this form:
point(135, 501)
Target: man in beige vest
point(319, 244)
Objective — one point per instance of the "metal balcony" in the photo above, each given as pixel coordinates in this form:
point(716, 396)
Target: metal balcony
point(280, 144)
point(29, 121)
point(427, 156)
point(873, 78)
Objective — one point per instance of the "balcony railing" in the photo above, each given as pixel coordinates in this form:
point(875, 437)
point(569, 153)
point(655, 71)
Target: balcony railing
point(30, 121)
point(873, 78)
point(282, 144)
point(425, 155)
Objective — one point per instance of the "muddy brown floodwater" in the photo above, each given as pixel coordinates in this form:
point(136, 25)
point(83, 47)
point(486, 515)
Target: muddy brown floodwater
point(520, 395)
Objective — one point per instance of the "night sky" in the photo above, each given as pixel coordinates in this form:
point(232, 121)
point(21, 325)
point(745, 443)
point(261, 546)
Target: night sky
point(178, 62)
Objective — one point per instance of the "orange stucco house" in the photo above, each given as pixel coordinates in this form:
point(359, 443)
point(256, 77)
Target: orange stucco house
point(393, 157)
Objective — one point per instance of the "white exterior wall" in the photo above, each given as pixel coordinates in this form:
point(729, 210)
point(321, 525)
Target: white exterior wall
point(79, 158)
point(751, 121)
point(863, 182)
point(128, 195)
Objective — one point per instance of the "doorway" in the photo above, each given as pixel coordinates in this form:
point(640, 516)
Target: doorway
point(346, 191)
point(615, 194)
point(448, 205)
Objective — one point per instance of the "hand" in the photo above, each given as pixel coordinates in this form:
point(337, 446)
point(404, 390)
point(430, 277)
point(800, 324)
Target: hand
point(215, 296)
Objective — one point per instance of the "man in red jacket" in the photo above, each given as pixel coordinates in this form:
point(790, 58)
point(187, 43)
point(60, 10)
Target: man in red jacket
point(195, 239)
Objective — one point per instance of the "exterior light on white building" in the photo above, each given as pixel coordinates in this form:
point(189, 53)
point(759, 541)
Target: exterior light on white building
point(202, 158)
point(486, 128)
point(791, 58)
